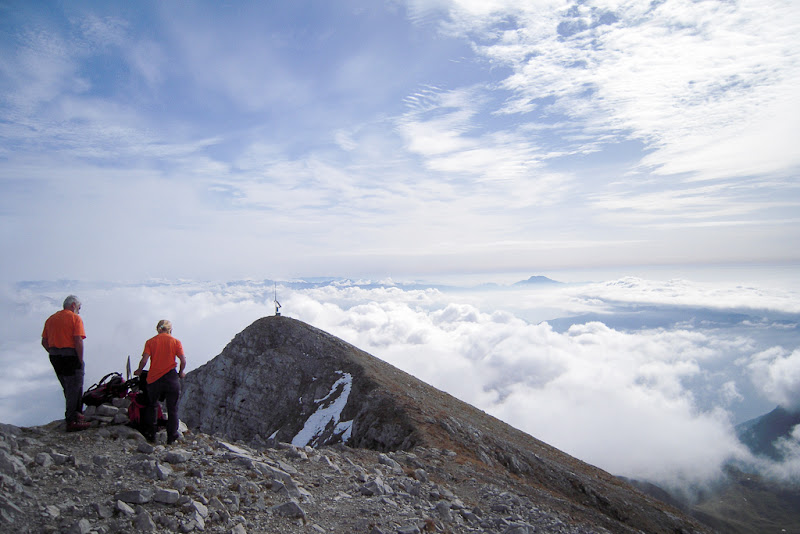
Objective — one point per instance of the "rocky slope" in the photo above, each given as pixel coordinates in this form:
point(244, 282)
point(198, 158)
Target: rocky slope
point(281, 380)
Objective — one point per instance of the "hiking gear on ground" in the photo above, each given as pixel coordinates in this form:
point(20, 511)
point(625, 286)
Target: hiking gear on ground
point(110, 387)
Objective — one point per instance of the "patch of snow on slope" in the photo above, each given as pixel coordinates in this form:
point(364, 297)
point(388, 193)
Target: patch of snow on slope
point(327, 414)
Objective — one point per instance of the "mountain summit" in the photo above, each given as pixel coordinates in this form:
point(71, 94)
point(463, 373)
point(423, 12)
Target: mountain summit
point(281, 380)
point(763, 433)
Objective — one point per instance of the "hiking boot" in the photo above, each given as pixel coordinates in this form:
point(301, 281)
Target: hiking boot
point(77, 426)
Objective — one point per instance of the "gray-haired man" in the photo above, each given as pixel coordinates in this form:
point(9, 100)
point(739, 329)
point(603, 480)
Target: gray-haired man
point(62, 338)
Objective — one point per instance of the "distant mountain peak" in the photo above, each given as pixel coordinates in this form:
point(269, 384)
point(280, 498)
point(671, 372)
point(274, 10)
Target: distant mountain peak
point(536, 279)
point(761, 434)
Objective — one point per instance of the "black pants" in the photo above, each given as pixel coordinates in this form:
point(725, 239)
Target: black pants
point(69, 370)
point(168, 386)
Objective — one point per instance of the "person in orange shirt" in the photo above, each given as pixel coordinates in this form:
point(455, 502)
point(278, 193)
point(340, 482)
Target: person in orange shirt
point(62, 338)
point(162, 379)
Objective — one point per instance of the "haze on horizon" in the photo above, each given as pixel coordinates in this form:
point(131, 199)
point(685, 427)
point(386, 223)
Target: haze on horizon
point(643, 378)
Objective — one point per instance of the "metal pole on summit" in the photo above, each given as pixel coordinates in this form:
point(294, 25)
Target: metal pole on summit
point(277, 304)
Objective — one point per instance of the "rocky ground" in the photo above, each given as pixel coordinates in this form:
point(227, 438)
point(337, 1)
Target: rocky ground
point(109, 479)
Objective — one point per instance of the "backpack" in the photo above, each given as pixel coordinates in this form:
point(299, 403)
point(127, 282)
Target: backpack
point(138, 402)
point(109, 387)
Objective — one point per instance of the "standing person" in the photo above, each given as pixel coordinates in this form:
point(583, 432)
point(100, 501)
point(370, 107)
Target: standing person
point(62, 338)
point(162, 379)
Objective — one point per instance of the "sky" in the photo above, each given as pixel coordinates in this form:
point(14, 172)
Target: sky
point(163, 159)
point(227, 140)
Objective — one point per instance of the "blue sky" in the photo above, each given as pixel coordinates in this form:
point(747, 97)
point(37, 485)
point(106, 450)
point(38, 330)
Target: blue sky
point(222, 140)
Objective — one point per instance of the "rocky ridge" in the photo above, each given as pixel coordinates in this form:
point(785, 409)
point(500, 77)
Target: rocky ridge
point(109, 479)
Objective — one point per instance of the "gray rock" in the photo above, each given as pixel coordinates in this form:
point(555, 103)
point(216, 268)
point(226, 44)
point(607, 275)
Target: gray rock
point(120, 419)
point(12, 465)
point(43, 459)
point(143, 521)
point(138, 496)
point(121, 403)
point(200, 508)
point(421, 475)
point(194, 522)
point(103, 511)
point(501, 508)
point(81, 527)
point(105, 419)
point(289, 509)
point(516, 528)
point(177, 456)
point(166, 496)
point(273, 472)
point(168, 522)
point(59, 459)
point(376, 487)
point(443, 509)
point(390, 463)
point(123, 508)
point(162, 471)
point(106, 410)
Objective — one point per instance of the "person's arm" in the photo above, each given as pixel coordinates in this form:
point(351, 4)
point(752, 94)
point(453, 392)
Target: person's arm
point(45, 344)
point(181, 372)
point(79, 347)
point(142, 363)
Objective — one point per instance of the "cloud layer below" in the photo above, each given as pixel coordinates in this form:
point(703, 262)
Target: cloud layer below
point(642, 378)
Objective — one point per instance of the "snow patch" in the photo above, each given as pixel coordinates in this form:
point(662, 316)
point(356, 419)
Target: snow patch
point(328, 413)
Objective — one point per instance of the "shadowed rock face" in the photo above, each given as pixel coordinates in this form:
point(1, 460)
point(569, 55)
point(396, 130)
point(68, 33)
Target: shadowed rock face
point(285, 380)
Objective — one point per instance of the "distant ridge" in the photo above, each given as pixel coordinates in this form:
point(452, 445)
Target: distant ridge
point(761, 433)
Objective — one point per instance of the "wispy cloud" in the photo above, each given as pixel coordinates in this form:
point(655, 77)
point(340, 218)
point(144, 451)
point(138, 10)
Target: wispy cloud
point(426, 135)
point(697, 82)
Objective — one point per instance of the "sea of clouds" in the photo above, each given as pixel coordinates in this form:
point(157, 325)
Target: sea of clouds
point(643, 378)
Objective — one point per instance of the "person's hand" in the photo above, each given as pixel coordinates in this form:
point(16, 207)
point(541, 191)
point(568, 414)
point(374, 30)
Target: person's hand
point(137, 372)
point(182, 374)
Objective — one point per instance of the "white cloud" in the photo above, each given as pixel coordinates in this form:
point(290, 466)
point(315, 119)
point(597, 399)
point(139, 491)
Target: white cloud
point(632, 401)
point(776, 372)
point(708, 87)
point(680, 292)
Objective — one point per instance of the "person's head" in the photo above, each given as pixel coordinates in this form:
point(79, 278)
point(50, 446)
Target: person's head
point(164, 327)
point(72, 303)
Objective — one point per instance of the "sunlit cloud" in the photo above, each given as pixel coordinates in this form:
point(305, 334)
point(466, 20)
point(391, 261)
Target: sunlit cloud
point(631, 400)
point(776, 372)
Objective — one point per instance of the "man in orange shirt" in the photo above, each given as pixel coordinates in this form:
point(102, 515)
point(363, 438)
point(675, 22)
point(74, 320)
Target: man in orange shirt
point(162, 379)
point(62, 338)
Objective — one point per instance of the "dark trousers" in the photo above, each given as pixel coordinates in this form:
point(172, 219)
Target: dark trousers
point(69, 370)
point(168, 386)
